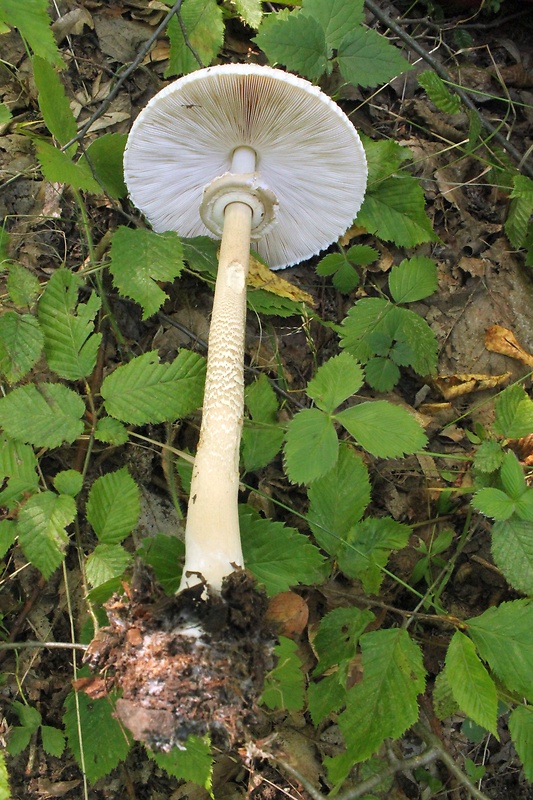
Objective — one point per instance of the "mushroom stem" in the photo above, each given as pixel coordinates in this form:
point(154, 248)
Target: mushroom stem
point(212, 536)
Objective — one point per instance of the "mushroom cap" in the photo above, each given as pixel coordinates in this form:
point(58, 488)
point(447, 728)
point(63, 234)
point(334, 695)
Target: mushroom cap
point(308, 154)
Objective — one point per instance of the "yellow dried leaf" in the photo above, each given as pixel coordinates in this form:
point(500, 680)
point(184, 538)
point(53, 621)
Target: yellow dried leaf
point(261, 277)
point(501, 340)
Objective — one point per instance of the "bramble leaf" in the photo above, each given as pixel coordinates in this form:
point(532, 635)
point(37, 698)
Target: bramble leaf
point(338, 635)
point(41, 528)
point(311, 446)
point(263, 436)
point(296, 41)
point(140, 258)
point(250, 11)
point(144, 390)
point(111, 431)
point(21, 342)
point(335, 381)
point(106, 156)
point(44, 415)
point(285, 684)
point(53, 101)
point(395, 211)
point(113, 506)
point(471, 684)
point(383, 429)
point(278, 555)
point(70, 344)
point(192, 761)
point(367, 59)
point(18, 465)
point(512, 550)
point(165, 555)
point(521, 728)
point(22, 285)
point(325, 696)
point(520, 210)
point(32, 20)
point(58, 167)
point(69, 481)
point(202, 20)
point(367, 548)
point(336, 17)
point(107, 561)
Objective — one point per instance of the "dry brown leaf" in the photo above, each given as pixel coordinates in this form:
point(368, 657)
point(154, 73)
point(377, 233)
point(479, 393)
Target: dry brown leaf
point(451, 386)
point(501, 340)
point(262, 277)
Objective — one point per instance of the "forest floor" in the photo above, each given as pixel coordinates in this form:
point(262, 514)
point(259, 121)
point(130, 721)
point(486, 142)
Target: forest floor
point(483, 282)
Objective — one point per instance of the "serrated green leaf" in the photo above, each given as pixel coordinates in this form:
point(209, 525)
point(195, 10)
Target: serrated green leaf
point(69, 481)
point(524, 505)
point(382, 374)
point(53, 101)
point(70, 345)
point(419, 343)
point(278, 555)
point(311, 446)
point(335, 381)
point(384, 704)
point(165, 555)
point(366, 58)
point(296, 41)
point(106, 154)
point(107, 561)
point(18, 465)
point(338, 635)
point(414, 279)
point(514, 413)
point(5, 114)
point(384, 159)
point(336, 17)
point(345, 277)
point(22, 285)
point(262, 438)
point(192, 761)
point(29, 717)
point(53, 741)
point(58, 167)
point(369, 315)
point(111, 431)
point(8, 533)
point(21, 342)
point(520, 210)
point(251, 11)
point(18, 740)
point(140, 258)
point(444, 702)
point(45, 415)
point(268, 303)
point(521, 728)
point(144, 390)
point(41, 529)
point(5, 793)
point(32, 20)
point(394, 210)
point(512, 476)
point(438, 92)
point(488, 456)
point(494, 503)
point(512, 550)
point(503, 638)
point(285, 684)
point(325, 696)
point(383, 429)
point(105, 743)
point(471, 684)
point(367, 548)
point(203, 23)
point(113, 506)
point(338, 500)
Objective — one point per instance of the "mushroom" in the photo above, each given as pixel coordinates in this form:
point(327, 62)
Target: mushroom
point(242, 153)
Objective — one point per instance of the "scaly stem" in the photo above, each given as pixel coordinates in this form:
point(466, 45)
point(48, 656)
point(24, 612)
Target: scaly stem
point(212, 536)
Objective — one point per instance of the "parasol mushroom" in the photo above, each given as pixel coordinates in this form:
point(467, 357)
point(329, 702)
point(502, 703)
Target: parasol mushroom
point(239, 152)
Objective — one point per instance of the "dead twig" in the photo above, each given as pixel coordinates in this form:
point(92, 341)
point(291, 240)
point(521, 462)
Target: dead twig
point(49, 645)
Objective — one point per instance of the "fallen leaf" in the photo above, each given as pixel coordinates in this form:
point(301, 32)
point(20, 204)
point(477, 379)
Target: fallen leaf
point(503, 341)
point(451, 386)
point(262, 277)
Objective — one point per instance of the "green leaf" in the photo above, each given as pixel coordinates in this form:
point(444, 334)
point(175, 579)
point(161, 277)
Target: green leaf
point(19, 739)
point(325, 696)
point(512, 476)
point(489, 456)
point(103, 741)
point(341, 266)
point(58, 167)
point(192, 761)
point(107, 561)
point(21, 342)
point(278, 555)
point(413, 279)
point(384, 158)
point(311, 446)
point(70, 345)
point(335, 381)
point(521, 728)
point(268, 303)
point(503, 639)
point(285, 684)
point(32, 20)
point(296, 41)
point(22, 285)
point(371, 315)
point(41, 528)
point(262, 438)
point(165, 555)
point(384, 704)
point(203, 23)
point(19, 466)
point(144, 390)
point(53, 102)
point(111, 431)
point(381, 374)
point(251, 11)
point(367, 59)
point(383, 429)
point(438, 92)
point(5, 793)
point(53, 741)
point(444, 702)
point(5, 116)
point(45, 415)
point(69, 481)
point(336, 17)
point(395, 211)
point(512, 550)
point(106, 156)
point(338, 635)
point(367, 548)
point(514, 413)
point(493, 503)
point(338, 500)
point(520, 210)
point(471, 684)
point(8, 534)
point(113, 506)
point(29, 717)
point(140, 258)
point(419, 343)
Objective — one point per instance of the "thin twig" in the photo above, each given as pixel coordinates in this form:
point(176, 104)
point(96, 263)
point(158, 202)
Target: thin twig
point(49, 645)
point(186, 38)
point(454, 25)
point(442, 73)
point(126, 74)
